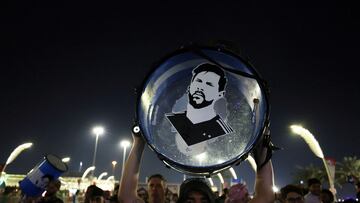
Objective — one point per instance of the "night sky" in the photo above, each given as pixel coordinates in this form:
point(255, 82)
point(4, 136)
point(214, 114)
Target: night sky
point(68, 67)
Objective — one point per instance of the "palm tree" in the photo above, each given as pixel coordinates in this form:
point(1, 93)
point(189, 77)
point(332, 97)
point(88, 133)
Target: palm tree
point(349, 168)
point(307, 172)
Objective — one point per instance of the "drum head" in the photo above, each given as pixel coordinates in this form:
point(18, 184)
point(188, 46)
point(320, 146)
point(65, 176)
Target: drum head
point(56, 162)
point(202, 109)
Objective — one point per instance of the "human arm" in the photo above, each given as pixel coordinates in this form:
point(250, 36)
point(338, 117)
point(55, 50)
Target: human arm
point(264, 180)
point(264, 185)
point(130, 177)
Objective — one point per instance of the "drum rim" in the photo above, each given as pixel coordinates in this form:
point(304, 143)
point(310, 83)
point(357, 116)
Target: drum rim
point(209, 170)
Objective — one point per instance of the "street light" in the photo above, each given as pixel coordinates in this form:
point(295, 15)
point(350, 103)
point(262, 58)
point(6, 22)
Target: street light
point(314, 146)
point(80, 166)
point(113, 168)
point(124, 144)
point(98, 130)
point(16, 153)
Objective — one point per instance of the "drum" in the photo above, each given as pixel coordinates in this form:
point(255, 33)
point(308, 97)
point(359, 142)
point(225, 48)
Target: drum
point(202, 109)
point(35, 182)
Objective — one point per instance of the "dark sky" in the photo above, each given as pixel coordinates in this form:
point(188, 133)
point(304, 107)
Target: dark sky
point(68, 67)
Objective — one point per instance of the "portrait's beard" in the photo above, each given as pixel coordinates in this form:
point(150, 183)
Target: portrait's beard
point(201, 105)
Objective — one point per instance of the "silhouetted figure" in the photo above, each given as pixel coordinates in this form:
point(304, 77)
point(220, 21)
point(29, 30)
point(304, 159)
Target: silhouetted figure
point(314, 186)
point(94, 194)
point(292, 194)
point(143, 194)
point(51, 189)
point(222, 198)
point(326, 196)
point(195, 190)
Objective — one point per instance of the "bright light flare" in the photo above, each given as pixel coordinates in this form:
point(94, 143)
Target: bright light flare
point(201, 156)
point(125, 144)
point(275, 189)
point(114, 163)
point(98, 130)
point(66, 159)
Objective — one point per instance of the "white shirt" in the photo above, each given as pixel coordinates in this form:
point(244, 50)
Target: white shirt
point(311, 198)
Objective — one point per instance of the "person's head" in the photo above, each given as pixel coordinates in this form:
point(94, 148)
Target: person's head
point(143, 194)
point(292, 194)
point(238, 194)
point(94, 194)
point(45, 180)
point(156, 188)
point(195, 190)
point(326, 196)
point(52, 187)
point(314, 186)
point(207, 85)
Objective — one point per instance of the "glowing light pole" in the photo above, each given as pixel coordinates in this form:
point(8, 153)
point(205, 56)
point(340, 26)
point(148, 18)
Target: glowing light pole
point(80, 166)
point(124, 144)
point(221, 178)
point(102, 175)
point(211, 181)
point(87, 171)
point(233, 173)
point(252, 162)
point(314, 146)
point(113, 168)
point(110, 178)
point(98, 130)
point(16, 153)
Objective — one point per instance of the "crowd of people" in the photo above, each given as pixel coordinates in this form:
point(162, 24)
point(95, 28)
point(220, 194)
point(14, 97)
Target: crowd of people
point(193, 190)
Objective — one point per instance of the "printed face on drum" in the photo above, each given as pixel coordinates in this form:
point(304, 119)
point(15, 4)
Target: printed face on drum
point(204, 89)
point(200, 121)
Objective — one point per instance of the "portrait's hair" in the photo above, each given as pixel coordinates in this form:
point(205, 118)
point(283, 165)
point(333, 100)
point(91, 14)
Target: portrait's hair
point(157, 176)
point(207, 67)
